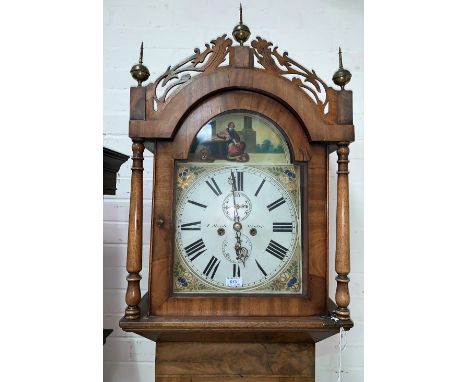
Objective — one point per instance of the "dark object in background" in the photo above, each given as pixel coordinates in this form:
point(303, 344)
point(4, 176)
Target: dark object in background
point(112, 162)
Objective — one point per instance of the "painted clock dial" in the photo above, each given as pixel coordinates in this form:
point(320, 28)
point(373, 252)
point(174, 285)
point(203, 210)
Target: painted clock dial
point(238, 225)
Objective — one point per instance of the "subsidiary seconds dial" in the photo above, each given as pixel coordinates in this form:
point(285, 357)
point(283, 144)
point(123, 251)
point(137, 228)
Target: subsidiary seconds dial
point(236, 222)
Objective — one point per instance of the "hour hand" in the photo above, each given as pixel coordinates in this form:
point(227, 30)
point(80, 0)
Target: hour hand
point(232, 181)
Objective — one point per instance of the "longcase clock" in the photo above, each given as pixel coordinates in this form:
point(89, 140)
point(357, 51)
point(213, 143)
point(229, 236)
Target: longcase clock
point(238, 273)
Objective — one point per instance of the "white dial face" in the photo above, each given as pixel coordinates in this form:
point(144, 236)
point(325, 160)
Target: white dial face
point(236, 222)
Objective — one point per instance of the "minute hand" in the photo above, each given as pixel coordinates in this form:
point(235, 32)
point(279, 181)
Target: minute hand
point(233, 182)
point(241, 253)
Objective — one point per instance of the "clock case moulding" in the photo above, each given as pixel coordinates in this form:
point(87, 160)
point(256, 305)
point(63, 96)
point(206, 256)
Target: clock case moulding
point(316, 121)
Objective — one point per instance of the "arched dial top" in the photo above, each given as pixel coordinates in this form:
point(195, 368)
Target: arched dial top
point(238, 210)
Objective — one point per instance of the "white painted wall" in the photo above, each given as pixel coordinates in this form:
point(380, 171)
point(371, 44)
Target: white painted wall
point(311, 32)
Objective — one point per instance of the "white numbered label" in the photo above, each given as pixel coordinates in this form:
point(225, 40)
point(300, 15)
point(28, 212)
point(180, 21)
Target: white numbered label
point(233, 282)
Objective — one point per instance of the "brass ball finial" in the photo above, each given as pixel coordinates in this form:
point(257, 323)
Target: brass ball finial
point(342, 76)
point(139, 71)
point(241, 32)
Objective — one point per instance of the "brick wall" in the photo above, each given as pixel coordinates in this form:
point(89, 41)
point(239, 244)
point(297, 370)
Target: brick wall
point(311, 32)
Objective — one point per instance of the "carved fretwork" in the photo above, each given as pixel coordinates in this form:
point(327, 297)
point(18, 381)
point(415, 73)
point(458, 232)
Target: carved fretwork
point(269, 58)
point(207, 61)
point(307, 79)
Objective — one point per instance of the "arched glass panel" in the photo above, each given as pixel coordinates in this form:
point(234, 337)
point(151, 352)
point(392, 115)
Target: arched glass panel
point(240, 137)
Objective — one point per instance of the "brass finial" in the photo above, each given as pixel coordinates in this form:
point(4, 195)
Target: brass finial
point(139, 71)
point(241, 32)
point(342, 76)
point(141, 53)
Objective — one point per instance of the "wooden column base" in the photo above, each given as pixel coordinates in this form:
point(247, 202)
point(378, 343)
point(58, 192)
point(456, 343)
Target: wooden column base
point(242, 362)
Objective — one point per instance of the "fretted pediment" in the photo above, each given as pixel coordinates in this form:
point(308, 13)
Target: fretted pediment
point(267, 58)
point(161, 106)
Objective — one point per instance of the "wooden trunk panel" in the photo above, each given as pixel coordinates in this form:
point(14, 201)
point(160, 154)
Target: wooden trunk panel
point(166, 378)
point(227, 336)
point(192, 361)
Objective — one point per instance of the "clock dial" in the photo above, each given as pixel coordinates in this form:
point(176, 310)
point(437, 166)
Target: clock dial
point(237, 222)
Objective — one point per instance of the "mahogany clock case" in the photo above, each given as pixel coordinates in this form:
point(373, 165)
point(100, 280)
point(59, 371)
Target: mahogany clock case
point(167, 127)
point(312, 156)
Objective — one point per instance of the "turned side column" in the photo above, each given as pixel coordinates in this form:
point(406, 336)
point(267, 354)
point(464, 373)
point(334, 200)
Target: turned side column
point(342, 258)
point(135, 237)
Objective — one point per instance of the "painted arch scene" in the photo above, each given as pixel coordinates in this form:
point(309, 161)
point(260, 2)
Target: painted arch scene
point(240, 137)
